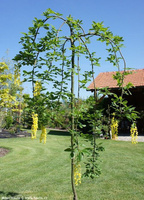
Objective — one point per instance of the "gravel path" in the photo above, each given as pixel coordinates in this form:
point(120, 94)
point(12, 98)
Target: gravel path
point(128, 138)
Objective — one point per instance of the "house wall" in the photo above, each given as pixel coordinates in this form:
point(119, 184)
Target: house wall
point(136, 99)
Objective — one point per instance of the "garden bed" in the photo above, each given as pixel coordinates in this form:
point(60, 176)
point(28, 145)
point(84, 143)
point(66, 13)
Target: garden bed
point(7, 134)
point(3, 151)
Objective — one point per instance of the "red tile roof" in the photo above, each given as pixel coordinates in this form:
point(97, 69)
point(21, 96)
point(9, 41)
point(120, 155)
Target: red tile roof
point(105, 79)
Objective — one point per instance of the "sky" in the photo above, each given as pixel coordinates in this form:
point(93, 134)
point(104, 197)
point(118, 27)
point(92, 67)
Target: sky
point(124, 17)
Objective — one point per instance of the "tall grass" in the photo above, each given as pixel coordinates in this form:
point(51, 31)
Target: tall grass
point(34, 170)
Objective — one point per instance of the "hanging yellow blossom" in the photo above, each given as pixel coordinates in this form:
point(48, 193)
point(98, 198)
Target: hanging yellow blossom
point(114, 128)
point(134, 133)
point(43, 135)
point(37, 88)
point(34, 126)
point(77, 174)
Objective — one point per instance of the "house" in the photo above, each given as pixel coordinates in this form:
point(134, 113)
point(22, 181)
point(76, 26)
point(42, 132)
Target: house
point(136, 98)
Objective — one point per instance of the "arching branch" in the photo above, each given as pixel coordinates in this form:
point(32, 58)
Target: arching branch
point(90, 56)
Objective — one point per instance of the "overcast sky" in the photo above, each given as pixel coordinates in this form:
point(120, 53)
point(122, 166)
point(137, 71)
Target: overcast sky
point(124, 17)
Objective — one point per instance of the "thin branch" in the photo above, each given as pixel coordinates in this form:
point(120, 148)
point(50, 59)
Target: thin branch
point(35, 62)
point(60, 28)
point(95, 94)
point(112, 42)
point(78, 69)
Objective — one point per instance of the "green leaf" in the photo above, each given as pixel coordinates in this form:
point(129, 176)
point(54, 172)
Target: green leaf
point(80, 156)
point(68, 149)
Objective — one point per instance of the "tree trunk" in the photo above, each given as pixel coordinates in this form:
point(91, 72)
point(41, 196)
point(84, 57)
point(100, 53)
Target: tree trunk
point(72, 123)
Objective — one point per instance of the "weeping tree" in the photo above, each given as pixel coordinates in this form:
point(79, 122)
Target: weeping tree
point(51, 52)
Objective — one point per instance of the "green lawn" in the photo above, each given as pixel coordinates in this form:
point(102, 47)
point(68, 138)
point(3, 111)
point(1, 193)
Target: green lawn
point(32, 169)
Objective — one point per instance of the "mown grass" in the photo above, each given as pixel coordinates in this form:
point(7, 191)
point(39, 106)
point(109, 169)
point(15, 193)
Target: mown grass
point(32, 169)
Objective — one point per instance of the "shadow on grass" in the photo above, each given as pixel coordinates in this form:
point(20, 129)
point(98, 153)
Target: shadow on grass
point(59, 133)
point(10, 195)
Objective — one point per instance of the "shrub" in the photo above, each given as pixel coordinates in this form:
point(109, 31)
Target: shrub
point(8, 121)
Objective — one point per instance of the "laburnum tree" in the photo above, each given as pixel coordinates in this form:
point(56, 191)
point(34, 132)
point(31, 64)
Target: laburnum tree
point(50, 54)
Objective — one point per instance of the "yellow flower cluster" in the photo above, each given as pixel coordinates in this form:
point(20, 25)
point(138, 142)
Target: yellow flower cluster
point(6, 99)
point(34, 126)
point(77, 174)
point(17, 76)
point(114, 128)
point(16, 107)
point(43, 135)
point(4, 78)
point(3, 66)
point(37, 88)
point(134, 133)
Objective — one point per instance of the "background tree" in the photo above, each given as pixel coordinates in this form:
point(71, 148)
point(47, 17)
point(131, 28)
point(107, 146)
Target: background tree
point(10, 95)
point(6, 99)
